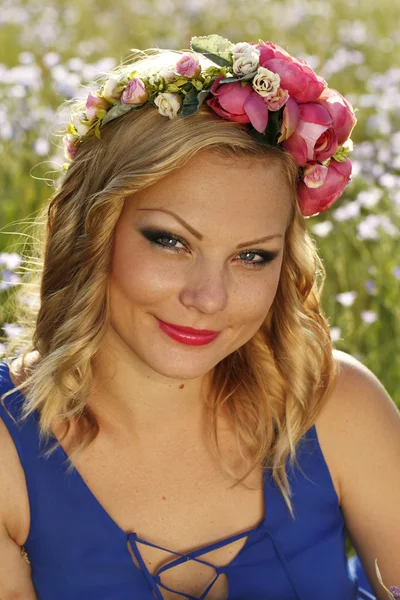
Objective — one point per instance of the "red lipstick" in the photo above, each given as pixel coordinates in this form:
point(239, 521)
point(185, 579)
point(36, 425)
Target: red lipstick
point(188, 335)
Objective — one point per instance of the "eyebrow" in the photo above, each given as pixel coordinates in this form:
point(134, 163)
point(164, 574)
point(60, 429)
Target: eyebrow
point(199, 236)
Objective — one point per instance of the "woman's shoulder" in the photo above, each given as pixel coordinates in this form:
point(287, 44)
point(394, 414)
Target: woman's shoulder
point(357, 395)
point(362, 432)
point(348, 419)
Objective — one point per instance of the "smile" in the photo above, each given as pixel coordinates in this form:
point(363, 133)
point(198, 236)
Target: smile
point(188, 335)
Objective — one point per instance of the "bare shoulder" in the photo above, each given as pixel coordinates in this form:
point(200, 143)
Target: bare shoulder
point(358, 410)
point(360, 426)
point(358, 396)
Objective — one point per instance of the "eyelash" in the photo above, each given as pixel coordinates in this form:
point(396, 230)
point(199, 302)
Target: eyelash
point(154, 235)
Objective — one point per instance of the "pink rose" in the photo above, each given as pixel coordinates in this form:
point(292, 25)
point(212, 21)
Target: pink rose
point(341, 112)
point(290, 119)
point(276, 101)
point(135, 92)
point(96, 107)
point(314, 137)
point(71, 143)
point(188, 65)
point(297, 77)
point(239, 103)
point(314, 175)
point(313, 200)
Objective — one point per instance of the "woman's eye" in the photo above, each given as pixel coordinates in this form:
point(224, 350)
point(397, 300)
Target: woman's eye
point(164, 239)
point(257, 258)
point(170, 241)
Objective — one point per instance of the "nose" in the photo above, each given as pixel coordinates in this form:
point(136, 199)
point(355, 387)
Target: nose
point(206, 288)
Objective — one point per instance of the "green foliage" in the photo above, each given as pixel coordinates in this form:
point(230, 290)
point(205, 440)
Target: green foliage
point(117, 111)
point(214, 47)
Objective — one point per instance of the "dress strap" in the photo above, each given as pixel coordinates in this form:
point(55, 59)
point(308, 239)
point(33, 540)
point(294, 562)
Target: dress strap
point(10, 410)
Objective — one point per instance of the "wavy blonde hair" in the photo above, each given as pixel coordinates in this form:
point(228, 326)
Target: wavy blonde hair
point(272, 388)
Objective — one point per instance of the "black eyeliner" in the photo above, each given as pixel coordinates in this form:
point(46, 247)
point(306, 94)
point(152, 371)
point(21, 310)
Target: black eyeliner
point(153, 234)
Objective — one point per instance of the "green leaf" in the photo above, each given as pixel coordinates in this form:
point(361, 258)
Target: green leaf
point(245, 78)
point(214, 47)
point(172, 88)
point(117, 111)
point(215, 71)
point(203, 95)
point(262, 138)
point(97, 130)
point(181, 81)
point(343, 151)
point(190, 104)
point(192, 101)
point(229, 80)
point(273, 128)
point(271, 133)
point(197, 84)
point(249, 76)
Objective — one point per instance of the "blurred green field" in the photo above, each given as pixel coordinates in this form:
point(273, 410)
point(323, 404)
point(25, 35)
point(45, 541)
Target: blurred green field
point(48, 52)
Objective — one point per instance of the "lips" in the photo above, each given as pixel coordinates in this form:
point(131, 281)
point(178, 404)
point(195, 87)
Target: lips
point(191, 330)
point(188, 335)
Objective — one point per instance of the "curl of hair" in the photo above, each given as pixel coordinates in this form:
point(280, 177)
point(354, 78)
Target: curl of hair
point(271, 389)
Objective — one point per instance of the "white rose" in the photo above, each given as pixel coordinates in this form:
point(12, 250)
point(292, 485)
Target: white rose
point(167, 74)
point(246, 63)
point(168, 104)
point(76, 121)
point(113, 87)
point(244, 49)
point(266, 82)
point(110, 86)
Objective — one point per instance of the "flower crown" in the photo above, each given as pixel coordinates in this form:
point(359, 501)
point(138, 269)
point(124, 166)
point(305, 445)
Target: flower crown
point(281, 98)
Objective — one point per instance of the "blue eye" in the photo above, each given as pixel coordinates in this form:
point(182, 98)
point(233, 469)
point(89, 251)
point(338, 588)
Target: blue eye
point(266, 257)
point(165, 239)
point(161, 238)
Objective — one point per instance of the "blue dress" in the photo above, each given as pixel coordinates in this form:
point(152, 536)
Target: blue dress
point(77, 552)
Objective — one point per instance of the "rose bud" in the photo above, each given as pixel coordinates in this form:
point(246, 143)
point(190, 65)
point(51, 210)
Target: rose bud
point(313, 200)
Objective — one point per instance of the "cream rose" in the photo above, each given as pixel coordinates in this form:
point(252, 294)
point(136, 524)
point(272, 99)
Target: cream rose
point(244, 49)
point(164, 73)
point(113, 88)
point(266, 83)
point(168, 104)
point(246, 63)
point(80, 127)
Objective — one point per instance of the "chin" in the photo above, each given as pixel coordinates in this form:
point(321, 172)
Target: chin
point(175, 364)
point(182, 368)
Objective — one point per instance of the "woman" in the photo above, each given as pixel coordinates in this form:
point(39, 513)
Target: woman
point(182, 427)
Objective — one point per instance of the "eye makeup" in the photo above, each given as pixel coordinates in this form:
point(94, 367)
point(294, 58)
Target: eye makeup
point(154, 236)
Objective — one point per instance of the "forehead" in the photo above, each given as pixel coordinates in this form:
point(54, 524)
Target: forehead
point(215, 192)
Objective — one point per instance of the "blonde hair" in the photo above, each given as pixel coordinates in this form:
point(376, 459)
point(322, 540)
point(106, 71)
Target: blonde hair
point(272, 388)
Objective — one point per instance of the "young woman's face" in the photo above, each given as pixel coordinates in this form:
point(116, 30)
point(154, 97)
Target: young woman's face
point(192, 251)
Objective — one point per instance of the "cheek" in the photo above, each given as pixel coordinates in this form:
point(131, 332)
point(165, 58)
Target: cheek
point(253, 300)
point(141, 276)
